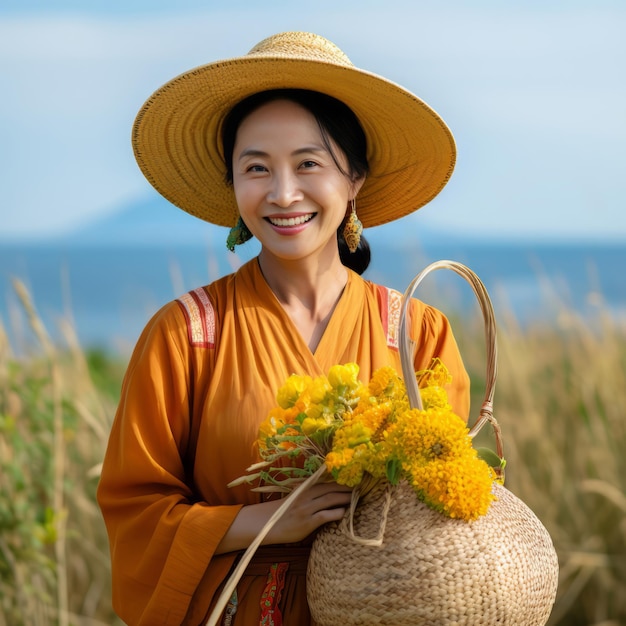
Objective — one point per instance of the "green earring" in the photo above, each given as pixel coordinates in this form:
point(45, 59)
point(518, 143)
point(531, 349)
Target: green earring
point(237, 235)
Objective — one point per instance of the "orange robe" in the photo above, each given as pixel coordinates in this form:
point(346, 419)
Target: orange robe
point(202, 377)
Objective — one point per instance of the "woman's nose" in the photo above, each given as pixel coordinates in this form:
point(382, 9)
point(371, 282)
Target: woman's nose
point(284, 189)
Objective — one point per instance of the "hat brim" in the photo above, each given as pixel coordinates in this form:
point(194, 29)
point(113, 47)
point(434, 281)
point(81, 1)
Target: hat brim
point(176, 135)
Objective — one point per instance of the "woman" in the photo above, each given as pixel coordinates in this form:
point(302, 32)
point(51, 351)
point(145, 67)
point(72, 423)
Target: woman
point(293, 145)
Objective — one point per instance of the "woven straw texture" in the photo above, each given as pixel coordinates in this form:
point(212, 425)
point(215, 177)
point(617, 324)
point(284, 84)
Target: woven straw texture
point(431, 570)
point(176, 135)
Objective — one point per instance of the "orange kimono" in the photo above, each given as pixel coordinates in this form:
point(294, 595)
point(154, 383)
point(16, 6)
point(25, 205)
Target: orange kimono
point(202, 377)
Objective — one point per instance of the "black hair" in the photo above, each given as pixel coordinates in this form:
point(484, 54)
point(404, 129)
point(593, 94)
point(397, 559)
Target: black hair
point(336, 121)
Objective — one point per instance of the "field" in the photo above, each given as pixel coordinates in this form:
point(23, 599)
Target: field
point(560, 401)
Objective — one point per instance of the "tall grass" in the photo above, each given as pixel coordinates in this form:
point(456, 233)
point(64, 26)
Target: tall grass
point(560, 401)
point(561, 404)
point(54, 421)
point(562, 398)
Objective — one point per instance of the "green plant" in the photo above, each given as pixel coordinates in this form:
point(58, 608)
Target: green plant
point(53, 427)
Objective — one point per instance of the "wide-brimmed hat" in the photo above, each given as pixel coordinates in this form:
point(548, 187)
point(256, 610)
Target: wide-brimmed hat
point(177, 133)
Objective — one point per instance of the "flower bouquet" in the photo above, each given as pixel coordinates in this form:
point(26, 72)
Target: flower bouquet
point(366, 433)
point(432, 537)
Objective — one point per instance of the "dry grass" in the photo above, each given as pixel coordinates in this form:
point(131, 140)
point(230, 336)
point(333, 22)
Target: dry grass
point(560, 400)
point(54, 563)
point(561, 404)
point(563, 407)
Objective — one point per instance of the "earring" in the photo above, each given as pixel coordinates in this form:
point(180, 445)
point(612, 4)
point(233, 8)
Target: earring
point(237, 235)
point(353, 229)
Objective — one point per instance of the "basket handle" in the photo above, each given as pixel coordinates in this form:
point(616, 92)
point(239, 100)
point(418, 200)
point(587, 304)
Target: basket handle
point(407, 347)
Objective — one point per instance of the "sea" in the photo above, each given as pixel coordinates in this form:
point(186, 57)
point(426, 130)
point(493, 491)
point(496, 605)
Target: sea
point(106, 293)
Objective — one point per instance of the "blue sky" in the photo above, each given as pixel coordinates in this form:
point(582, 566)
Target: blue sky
point(534, 92)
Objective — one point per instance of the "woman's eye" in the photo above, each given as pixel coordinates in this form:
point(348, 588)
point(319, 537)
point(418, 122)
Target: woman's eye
point(256, 168)
point(308, 164)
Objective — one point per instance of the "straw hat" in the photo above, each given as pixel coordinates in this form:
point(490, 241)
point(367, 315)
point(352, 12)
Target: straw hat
point(176, 135)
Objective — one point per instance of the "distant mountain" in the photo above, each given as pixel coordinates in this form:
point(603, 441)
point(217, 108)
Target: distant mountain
point(149, 221)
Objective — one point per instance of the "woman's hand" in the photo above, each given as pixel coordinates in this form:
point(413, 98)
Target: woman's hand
point(321, 503)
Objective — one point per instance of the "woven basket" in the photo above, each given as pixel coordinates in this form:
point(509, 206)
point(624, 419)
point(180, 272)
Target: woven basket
point(430, 570)
point(393, 560)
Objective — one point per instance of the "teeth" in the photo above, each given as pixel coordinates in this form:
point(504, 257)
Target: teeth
point(291, 221)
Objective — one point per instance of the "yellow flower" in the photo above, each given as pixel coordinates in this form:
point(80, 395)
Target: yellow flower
point(318, 389)
point(351, 436)
point(348, 466)
point(377, 460)
point(421, 436)
point(350, 475)
point(384, 381)
point(460, 488)
point(311, 425)
point(336, 460)
point(271, 424)
point(315, 411)
point(375, 416)
point(344, 376)
point(432, 384)
point(434, 398)
point(289, 393)
point(437, 375)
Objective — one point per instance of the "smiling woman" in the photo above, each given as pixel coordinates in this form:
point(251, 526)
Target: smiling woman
point(326, 145)
point(295, 146)
point(290, 192)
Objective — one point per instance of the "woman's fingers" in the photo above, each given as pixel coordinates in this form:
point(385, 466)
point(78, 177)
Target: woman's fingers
point(322, 503)
point(330, 500)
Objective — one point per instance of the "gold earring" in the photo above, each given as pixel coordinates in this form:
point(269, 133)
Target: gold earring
point(353, 229)
point(237, 235)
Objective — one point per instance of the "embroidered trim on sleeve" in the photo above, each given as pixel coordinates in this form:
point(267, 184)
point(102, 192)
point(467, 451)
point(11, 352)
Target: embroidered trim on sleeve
point(390, 309)
point(200, 317)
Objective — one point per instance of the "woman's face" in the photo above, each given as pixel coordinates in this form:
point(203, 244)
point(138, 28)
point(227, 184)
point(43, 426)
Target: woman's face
point(290, 193)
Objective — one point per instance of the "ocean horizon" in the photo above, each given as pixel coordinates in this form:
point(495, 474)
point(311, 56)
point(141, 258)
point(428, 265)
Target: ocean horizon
point(109, 292)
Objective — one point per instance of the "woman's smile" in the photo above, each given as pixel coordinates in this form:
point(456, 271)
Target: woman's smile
point(289, 223)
